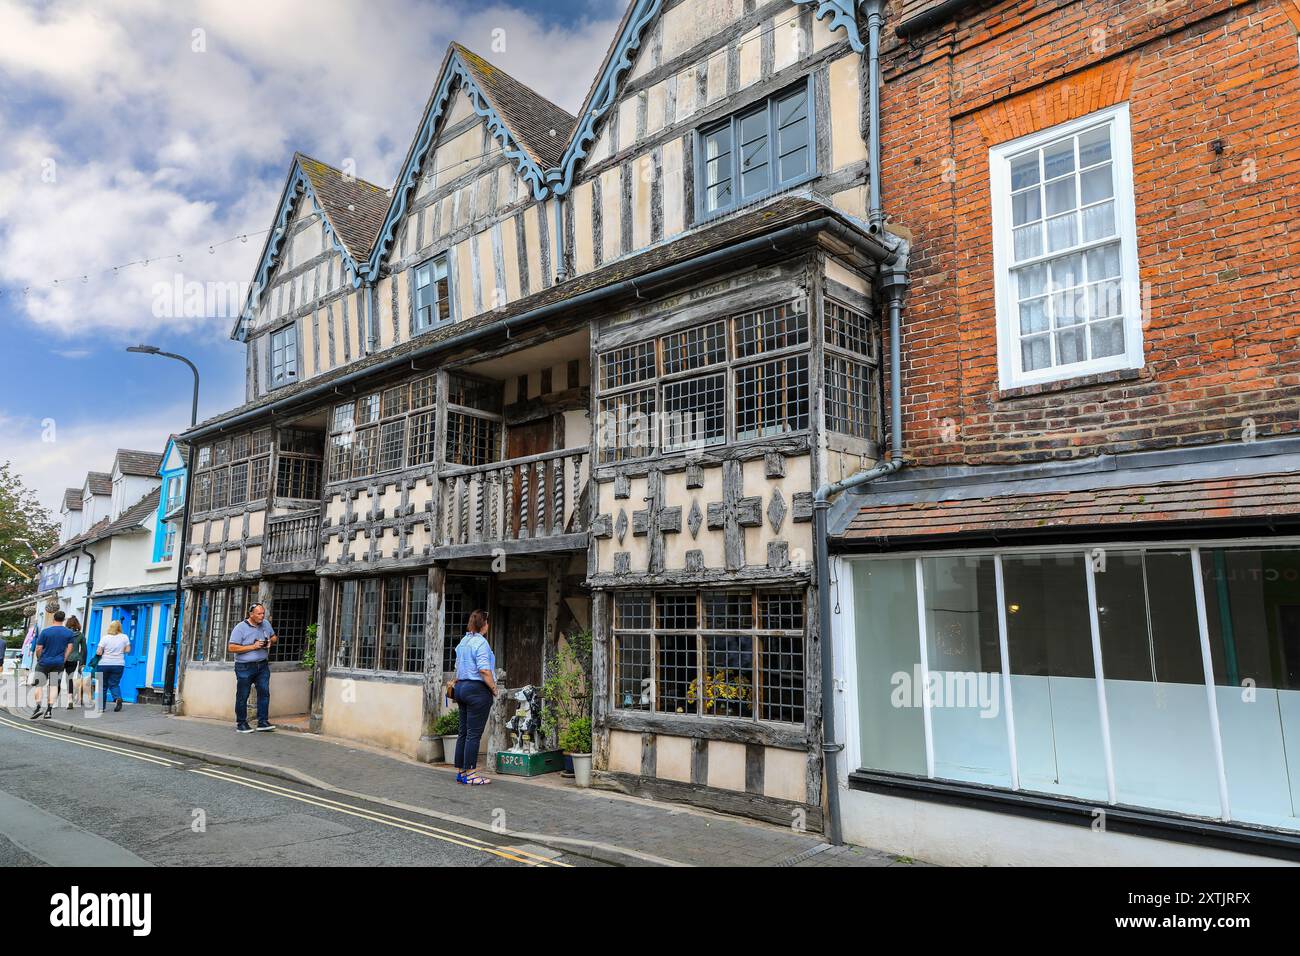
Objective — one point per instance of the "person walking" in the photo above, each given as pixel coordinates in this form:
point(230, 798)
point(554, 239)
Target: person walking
point(476, 688)
point(75, 657)
point(112, 651)
point(52, 648)
point(28, 660)
point(250, 643)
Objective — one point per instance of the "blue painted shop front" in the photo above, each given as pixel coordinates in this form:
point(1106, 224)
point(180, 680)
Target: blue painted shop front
point(146, 621)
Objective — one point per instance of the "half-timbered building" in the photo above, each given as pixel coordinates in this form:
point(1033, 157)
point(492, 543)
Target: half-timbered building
point(585, 371)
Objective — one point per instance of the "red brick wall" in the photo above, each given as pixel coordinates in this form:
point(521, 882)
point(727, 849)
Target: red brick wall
point(1218, 233)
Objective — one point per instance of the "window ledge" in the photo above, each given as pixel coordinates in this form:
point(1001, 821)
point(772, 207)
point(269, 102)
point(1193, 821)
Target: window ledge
point(1068, 384)
point(1154, 824)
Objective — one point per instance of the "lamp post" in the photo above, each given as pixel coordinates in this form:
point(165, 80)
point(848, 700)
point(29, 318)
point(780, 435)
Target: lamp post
point(169, 674)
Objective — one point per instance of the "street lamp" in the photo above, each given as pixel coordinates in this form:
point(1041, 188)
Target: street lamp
point(169, 675)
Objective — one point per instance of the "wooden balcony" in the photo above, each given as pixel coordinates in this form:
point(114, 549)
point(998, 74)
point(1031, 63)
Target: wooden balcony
point(292, 542)
point(523, 505)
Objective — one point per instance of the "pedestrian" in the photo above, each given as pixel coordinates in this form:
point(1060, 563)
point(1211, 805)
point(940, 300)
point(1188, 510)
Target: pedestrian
point(476, 688)
point(52, 648)
point(250, 642)
point(112, 650)
point(26, 662)
point(75, 657)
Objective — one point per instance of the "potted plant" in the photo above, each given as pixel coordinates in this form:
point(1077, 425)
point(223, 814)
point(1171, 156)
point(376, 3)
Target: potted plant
point(566, 692)
point(576, 741)
point(447, 726)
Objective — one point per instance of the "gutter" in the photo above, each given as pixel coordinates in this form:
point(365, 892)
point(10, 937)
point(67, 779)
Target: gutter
point(90, 588)
point(778, 241)
point(941, 13)
point(891, 283)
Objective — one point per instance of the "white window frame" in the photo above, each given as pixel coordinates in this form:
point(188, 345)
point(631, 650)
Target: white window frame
point(1010, 373)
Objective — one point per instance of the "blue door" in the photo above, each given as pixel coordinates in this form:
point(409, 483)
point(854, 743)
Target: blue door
point(164, 637)
point(135, 620)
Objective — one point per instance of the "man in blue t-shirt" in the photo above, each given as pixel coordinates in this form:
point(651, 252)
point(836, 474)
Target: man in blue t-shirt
point(250, 643)
point(52, 648)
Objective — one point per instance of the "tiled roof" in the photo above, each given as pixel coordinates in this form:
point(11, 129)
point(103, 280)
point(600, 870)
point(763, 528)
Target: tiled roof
point(541, 127)
point(355, 208)
point(76, 540)
point(1263, 497)
point(134, 516)
point(72, 499)
point(100, 483)
point(767, 217)
point(131, 462)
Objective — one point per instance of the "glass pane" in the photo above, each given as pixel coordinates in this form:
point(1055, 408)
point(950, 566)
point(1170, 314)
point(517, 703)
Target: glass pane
point(1071, 346)
point(755, 172)
point(1031, 281)
point(1033, 316)
point(1049, 641)
point(1105, 299)
point(1095, 185)
point(1107, 338)
point(1099, 222)
point(1094, 146)
point(1060, 196)
point(1024, 171)
point(1062, 232)
point(792, 108)
point(1067, 271)
point(1026, 207)
point(1036, 353)
point(1028, 241)
point(1058, 159)
point(887, 638)
point(967, 721)
point(1155, 689)
point(1068, 308)
point(1252, 609)
point(794, 164)
point(1103, 263)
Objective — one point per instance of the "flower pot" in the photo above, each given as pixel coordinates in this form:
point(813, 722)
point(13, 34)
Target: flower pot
point(449, 749)
point(582, 769)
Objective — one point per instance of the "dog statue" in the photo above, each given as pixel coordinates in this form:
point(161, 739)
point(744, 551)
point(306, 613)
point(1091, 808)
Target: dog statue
point(525, 725)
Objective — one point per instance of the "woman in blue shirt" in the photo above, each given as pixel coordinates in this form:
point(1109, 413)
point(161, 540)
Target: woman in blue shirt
point(476, 688)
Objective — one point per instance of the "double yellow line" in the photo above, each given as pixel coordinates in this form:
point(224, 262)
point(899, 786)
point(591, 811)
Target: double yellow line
point(93, 745)
point(511, 853)
point(401, 823)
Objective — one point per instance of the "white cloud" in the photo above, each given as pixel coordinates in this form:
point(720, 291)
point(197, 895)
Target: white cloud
point(156, 148)
point(48, 467)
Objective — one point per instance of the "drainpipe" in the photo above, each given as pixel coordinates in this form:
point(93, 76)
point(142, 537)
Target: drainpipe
point(891, 283)
point(85, 607)
point(875, 211)
point(372, 328)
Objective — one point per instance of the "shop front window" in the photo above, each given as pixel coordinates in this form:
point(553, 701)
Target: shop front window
point(1161, 678)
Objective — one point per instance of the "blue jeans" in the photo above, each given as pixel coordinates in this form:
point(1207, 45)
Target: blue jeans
point(474, 700)
point(259, 673)
point(112, 680)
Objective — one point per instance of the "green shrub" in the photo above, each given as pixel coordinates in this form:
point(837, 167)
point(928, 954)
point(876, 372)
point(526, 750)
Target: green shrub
point(448, 723)
point(576, 738)
point(566, 692)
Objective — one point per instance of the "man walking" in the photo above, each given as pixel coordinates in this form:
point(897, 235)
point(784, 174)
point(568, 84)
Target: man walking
point(52, 647)
point(250, 642)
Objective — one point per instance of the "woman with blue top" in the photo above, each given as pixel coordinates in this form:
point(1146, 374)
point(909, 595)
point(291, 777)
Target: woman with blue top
point(476, 687)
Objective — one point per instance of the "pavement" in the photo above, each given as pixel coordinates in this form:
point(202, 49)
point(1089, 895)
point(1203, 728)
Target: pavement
point(599, 825)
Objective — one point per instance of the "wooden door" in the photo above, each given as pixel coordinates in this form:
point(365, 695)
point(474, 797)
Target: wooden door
point(533, 438)
point(521, 609)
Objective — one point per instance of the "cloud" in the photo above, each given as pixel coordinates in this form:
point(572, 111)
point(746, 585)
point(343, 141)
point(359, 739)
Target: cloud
point(73, 353)
point(49, 466)
point(147, 129)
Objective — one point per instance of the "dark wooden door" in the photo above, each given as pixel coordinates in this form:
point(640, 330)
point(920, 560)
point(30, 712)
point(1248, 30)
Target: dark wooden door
point(533, 438)
point(521, 609)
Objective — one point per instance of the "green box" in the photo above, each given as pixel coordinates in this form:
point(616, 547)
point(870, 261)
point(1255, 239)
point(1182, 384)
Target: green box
point(529, 765)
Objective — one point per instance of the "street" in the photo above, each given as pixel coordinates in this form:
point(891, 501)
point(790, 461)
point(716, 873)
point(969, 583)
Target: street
point(66, 800)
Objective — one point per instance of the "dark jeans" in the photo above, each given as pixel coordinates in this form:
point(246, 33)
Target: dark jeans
point(112, 680)
point(259, 673)
point(474, 700)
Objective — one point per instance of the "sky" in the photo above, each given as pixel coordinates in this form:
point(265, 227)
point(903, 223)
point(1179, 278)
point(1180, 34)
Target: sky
point(143, 146)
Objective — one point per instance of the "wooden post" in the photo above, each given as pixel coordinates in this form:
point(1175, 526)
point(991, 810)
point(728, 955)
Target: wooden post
point(431, 706)
point(600, 658)
point(324, 650)
point(184, 639)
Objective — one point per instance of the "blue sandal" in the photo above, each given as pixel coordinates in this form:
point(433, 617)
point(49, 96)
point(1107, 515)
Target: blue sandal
point(474, 780)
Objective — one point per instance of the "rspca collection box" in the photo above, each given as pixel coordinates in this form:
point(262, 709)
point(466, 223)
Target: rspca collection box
point(529, 765)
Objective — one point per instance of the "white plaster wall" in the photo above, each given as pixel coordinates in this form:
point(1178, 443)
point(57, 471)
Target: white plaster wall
point(211, 693)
